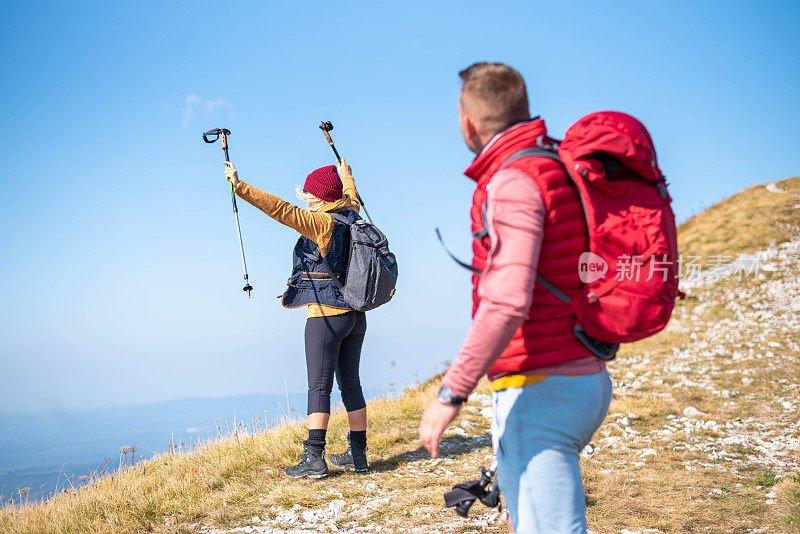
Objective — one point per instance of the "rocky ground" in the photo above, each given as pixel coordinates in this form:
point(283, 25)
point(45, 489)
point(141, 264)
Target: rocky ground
point(701, 432)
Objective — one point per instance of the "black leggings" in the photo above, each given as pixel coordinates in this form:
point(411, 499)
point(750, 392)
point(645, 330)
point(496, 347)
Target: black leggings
point(333, 346)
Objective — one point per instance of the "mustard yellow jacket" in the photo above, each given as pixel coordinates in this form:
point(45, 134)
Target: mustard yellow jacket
point(315, 225)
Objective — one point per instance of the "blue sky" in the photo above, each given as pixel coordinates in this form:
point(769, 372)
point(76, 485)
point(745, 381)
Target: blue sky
point(119, 279)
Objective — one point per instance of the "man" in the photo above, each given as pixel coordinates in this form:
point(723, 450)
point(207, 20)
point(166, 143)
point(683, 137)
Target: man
point(550, 393)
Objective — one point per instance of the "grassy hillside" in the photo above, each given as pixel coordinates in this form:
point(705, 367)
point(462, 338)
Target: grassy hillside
point(702, 435)
point(743, 223)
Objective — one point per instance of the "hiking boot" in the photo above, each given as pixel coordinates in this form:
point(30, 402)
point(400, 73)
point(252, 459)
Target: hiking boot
point(312, 465)
point(354, 461)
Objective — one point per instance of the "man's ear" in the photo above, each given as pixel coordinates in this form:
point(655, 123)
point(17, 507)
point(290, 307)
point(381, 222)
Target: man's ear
point(468, 127)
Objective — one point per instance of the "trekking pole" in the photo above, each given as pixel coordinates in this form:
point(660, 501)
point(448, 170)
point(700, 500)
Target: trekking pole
point(326, 127)
point(464, 495)
point(222, 133)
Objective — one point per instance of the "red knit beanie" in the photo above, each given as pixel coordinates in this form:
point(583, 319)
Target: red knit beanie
point(325, 183)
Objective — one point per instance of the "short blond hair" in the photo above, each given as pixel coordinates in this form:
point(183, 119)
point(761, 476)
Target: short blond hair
point(494, 94)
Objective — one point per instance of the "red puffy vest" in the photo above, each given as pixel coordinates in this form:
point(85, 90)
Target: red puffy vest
point(546, 337)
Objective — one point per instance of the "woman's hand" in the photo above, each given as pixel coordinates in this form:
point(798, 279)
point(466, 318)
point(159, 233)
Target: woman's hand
point(344, 168)
point(231, 174)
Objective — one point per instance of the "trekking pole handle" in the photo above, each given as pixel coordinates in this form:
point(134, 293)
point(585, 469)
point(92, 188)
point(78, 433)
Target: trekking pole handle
point(327, 136)
point(326, 127)
point(217, 132)
point(330, 142)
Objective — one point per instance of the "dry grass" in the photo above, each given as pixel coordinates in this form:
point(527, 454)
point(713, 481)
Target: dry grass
point(743, 223)
point(787, 510)
point(626, 490)
point(231, 480)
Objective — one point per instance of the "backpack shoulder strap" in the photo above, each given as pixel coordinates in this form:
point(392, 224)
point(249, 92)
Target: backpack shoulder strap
point(538, 151)
point(339, 217)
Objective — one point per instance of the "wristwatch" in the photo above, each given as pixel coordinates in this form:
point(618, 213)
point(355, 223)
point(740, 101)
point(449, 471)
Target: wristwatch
point(446, 396)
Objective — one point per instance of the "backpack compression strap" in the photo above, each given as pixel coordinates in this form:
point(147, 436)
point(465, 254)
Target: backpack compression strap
point(328, 270)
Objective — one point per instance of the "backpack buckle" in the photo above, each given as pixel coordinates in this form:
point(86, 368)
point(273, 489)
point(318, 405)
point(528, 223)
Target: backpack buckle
point(549, 146)
point(662, 190)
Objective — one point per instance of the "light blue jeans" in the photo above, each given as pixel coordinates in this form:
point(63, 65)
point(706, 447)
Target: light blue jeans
point(538, 433)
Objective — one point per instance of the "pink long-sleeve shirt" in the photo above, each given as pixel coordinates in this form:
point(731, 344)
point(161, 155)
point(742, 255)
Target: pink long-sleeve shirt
point(515, 221)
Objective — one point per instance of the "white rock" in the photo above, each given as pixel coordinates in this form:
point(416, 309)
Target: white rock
point(772, 187)
point(377, 503)
point(676, 327)
point(691, 411)
point(336, 506)
point(310, 516)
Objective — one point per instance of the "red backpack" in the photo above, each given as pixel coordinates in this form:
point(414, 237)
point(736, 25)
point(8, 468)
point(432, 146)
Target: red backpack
point(630, 272)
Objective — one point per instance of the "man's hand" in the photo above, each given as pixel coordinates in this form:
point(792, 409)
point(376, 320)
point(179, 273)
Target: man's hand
point(344, 168)
point(231, 174)
point(434, 422)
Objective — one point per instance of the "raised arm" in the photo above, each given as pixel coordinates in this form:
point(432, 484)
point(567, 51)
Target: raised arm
point(317, 226)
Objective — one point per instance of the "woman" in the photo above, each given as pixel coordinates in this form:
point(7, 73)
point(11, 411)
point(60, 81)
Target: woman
point(334, 332)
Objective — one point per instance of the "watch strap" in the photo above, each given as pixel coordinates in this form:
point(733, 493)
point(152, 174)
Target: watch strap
point(446, 396)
